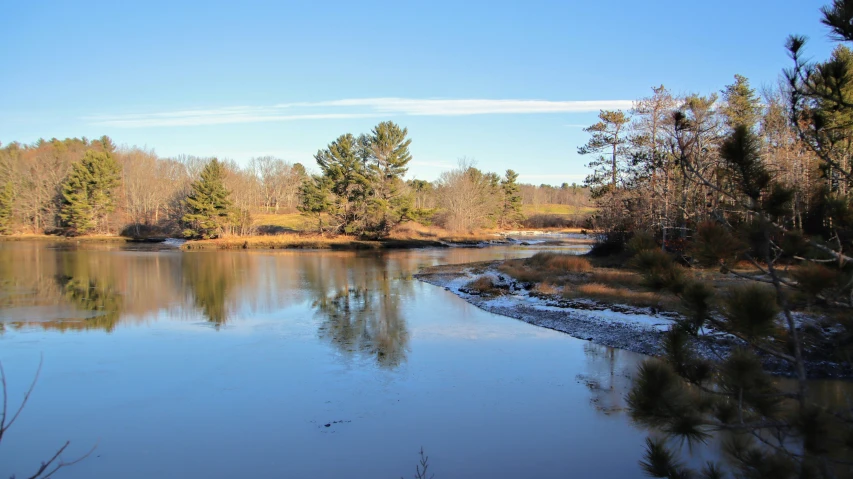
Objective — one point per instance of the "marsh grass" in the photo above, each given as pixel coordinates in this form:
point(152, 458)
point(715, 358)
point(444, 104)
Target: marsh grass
point(571, 276)
point(482, 285)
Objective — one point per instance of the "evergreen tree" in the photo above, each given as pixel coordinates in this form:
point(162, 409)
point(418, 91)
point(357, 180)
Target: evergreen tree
point(342, 164)
point(608, 141)
point(209, 204)
point(741, 105)
point(389, 156)
point(88, 193)
point(7, 199)
point(315, 199)
point(511, 205)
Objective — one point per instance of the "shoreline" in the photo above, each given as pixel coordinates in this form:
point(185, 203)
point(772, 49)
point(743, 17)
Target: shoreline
point(72, 239)
point(610, 324)
point(298, 241)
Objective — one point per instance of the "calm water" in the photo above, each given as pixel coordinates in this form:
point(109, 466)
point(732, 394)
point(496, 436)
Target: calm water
point(223, 365)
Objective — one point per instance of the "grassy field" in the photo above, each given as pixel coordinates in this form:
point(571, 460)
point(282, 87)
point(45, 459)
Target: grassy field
point(268, 223)
point(284, 223)
point(567, 210)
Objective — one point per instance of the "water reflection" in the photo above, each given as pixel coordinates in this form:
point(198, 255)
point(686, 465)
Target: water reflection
point(351, 337)
point(209, 279)
point(608, 376)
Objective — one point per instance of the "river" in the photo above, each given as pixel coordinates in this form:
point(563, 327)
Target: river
point(295, 364)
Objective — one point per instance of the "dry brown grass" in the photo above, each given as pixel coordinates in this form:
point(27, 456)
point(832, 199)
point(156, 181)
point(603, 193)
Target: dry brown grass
point(483, 285)
point(612, 277)
point(413, 230)
point(518, 270)
point(559, 262)
point(548, 288)
point(603, 292)
point(574, 277)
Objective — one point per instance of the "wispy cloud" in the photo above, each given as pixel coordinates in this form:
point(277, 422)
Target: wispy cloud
point(221, 116)
point(438, 107)
point(350, 108)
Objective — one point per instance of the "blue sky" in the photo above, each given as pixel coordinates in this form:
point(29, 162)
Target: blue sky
point(509, 84)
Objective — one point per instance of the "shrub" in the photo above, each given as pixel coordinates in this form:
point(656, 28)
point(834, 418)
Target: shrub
point(659, 270)
point(641, 242)
point(814, 279)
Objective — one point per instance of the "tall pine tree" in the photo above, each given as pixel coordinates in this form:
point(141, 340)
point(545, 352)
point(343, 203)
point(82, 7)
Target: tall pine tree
point(315, 199)
point(389, 152)
point(511, 206)
point(209, 204)
point(608, 141)
point(88, 193)
point(741, 104)
point(343, 165)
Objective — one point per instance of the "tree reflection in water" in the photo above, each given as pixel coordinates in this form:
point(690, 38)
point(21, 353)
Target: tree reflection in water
point(359, 300)
point(88, 286)
point(608, 377)
point(210, 278)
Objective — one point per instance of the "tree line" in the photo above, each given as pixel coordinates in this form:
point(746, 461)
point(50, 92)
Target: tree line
point(80, 186)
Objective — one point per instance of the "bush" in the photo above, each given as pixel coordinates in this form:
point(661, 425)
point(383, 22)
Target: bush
point(659, 270)
point(641, 242)
point(609, 243)
point(814, 279)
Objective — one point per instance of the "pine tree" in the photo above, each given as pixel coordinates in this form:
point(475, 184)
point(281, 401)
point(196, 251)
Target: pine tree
point(209, 204)
point(342, 164)
point(608, 141)
point(390, 156)
point(741, 105)
point(88, 193)
point(7, 199)
point(315, 199)
point(511, 206)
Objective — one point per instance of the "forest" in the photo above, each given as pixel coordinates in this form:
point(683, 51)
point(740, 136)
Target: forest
point(79, 186)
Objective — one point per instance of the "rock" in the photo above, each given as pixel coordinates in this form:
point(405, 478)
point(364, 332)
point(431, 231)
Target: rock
point(328, 425)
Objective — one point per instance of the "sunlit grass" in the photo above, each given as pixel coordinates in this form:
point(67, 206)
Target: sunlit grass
point(552, 209)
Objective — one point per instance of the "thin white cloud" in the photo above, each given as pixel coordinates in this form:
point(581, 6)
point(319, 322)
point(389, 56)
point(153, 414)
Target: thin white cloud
point(213, 117)
point(438, 107)
point(350, 109)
